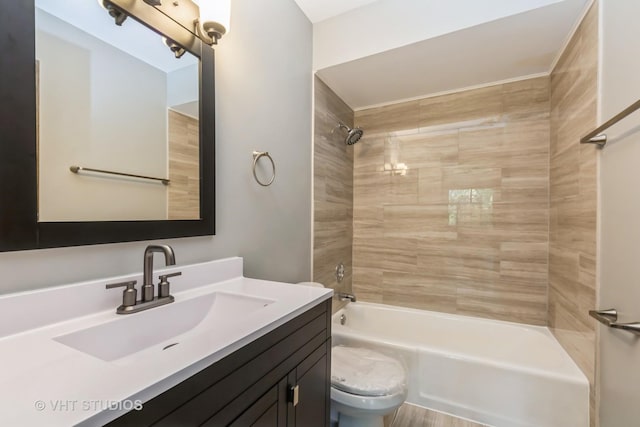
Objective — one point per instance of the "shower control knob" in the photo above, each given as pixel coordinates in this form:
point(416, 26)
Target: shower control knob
point(340, 272)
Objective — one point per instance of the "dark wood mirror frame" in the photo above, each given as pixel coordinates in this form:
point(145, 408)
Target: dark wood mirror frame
point(19, 226)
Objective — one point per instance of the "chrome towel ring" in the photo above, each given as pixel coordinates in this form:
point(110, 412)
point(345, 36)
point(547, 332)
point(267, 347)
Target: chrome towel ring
point(256, 157)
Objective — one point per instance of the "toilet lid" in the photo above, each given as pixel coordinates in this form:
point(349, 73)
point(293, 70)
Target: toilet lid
point(365, 372)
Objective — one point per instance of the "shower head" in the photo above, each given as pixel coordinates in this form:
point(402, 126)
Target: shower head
point(353, 134)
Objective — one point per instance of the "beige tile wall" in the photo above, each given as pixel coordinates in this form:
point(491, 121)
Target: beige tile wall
point(333, 189)
point(451, 203)
point(573, 199)
point(479, 203)
point(184, 166)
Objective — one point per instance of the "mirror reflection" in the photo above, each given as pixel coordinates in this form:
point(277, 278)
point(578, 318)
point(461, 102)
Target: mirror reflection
point(115, 99)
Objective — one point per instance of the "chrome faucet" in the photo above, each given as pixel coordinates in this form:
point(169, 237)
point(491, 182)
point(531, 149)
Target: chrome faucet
point(343, 296)
point(148, 300)
point(147, 278)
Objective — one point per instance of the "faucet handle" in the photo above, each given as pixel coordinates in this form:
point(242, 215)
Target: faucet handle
point(163, 286)
point(129, 295)
point(164, 277)
point(129, 285)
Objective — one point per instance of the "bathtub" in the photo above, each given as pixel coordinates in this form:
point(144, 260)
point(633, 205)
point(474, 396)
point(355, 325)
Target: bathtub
point(498, 373)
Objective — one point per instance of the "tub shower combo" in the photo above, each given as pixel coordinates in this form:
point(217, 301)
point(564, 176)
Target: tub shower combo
point(489, 371)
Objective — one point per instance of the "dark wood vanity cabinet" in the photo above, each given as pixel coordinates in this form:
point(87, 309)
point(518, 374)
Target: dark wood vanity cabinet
point(278, 380)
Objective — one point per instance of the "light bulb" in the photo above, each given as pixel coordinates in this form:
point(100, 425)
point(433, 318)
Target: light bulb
point(215, 17)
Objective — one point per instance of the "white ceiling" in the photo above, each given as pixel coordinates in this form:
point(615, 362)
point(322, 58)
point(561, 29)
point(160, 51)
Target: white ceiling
point(509, 48)
point(319, 10)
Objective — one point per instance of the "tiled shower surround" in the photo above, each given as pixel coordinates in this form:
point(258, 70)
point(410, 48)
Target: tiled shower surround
point(574, 199)
point(184, 169)
point(480, 202)
point(332, 189)
point(451, 203)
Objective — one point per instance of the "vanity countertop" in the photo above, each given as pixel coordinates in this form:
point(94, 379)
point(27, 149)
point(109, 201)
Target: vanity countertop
point(49, 383)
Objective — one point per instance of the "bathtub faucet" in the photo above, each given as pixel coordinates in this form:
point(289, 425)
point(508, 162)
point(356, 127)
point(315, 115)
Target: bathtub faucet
point(343, 296)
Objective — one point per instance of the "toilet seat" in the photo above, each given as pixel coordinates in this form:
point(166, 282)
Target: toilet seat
point(365, 372)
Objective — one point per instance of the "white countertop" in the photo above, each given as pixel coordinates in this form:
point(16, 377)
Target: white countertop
point(48, 383)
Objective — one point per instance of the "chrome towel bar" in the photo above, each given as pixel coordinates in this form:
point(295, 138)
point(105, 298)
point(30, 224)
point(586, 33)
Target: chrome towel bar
point(596, 136)
point(77, 169)
point(610, 318)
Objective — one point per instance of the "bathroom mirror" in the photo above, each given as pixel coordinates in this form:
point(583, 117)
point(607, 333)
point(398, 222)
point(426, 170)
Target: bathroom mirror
point(113, 138)
point(129, 107)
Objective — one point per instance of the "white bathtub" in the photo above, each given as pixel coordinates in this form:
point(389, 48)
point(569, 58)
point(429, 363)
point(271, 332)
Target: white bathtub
point(498, 373)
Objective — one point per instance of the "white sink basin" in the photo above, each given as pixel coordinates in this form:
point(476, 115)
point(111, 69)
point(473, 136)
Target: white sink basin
point(87, 354)
point(135, 332)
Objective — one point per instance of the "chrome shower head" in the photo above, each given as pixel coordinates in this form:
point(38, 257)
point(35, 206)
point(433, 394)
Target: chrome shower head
point(353, 134)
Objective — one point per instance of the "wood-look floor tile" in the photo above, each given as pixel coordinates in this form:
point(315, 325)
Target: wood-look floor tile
point(415, 416)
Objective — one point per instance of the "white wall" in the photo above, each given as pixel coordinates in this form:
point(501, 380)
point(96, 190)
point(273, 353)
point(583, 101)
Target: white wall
point(182, 85)
point(388, 24)
point(99, 108)
point(620, 211)
point(263, 82)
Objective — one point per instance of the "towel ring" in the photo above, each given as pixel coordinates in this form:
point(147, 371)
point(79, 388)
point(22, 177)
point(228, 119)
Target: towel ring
point(256, 157)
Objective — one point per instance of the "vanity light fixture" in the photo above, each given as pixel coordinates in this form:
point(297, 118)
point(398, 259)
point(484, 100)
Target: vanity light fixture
point(214, 20)
point(208, 20)
point(116, 14)
point(177, 50)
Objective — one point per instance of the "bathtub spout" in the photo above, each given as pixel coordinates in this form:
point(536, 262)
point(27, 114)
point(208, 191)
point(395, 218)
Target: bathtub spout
point(343, 296)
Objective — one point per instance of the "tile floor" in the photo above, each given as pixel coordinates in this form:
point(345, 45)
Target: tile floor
point(415, 416)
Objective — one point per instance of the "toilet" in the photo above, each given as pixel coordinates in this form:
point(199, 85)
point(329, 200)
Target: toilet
point(366, 385)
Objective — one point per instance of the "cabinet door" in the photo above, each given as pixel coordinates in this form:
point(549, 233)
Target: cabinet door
point(270, 410)
point(313, 403)
point(263, 413)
